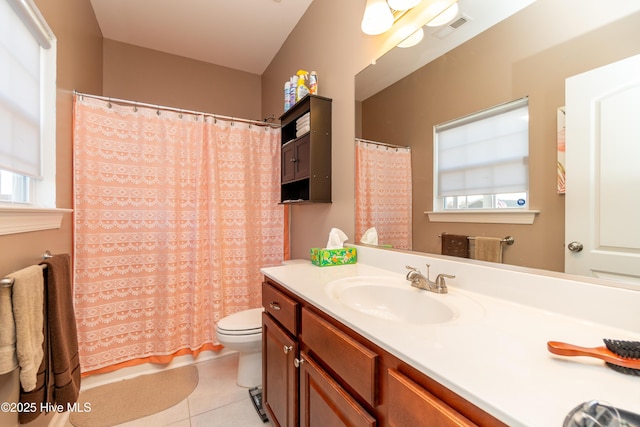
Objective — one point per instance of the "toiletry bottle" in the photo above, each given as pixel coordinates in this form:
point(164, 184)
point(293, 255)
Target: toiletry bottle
point(287, 88)
point(302, 89)
point(292, 91)
point(313, 83)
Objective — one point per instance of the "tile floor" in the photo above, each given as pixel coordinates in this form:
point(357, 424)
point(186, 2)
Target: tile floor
point(217, 401)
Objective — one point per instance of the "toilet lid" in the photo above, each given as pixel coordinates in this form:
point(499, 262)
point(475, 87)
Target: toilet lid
point(242, 323)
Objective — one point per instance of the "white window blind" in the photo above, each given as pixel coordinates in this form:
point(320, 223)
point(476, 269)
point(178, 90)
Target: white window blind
point(484, 153)
point(22, 40)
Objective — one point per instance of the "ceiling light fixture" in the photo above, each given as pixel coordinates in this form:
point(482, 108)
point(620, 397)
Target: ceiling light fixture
point(413, 39)
point(402, 4)
point(377, 17)
point(445, 16)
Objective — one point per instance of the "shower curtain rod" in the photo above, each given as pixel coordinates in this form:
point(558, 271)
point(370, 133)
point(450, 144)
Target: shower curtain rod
point(179, 110)
point(384, 144)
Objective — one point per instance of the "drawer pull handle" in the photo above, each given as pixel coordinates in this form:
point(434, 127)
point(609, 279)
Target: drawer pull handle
point(274, 305)
point(287, 348)
point(298, 362)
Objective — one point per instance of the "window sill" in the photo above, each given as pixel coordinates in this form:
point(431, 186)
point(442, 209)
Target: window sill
point(492, 216)
point(15, 220)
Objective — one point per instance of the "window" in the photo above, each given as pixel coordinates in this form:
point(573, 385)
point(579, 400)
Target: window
point(14, 188)
point(27, 106)
point(481, 160)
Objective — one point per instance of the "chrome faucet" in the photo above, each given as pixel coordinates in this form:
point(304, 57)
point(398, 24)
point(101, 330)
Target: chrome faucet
point(420, 281)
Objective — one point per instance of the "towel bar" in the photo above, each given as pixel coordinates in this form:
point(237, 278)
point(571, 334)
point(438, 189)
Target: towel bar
point(7, 282)
point(509, 240)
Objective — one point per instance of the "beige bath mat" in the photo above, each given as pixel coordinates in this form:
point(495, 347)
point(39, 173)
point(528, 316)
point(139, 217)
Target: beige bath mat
point(138, 397)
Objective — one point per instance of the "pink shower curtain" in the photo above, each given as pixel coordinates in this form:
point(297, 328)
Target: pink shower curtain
point(174, 216)
point(383, 193)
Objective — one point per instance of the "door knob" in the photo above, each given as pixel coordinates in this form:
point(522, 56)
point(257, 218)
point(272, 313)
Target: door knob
point(297, 362)
point(287, 348)
point(575, 246)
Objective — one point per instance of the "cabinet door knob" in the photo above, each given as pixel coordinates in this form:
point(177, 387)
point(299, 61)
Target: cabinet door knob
point(297, 362)
point(287, 348)
point(293, 160)
point(274, 305)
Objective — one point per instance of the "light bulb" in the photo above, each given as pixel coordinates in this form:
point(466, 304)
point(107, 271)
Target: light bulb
point(445, 16)
point(403, 4)
point(413, 39)
point(377, 17)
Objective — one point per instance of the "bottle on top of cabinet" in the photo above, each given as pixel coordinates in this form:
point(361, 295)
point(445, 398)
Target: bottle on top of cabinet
point(302, 89)
point(313, 83)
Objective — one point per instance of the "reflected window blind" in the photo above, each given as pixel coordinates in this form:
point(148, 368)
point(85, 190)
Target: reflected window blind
point(21, 41)
point(484, 153)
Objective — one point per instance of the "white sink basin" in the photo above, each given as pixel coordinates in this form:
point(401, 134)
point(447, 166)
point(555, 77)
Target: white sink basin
point(396, 300)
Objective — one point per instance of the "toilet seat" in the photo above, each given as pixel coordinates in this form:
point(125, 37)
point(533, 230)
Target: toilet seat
point(247, 322)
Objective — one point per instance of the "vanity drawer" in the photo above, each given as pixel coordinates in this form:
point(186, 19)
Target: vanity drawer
point(350, 360)
point(280, 307)
point(412, 405)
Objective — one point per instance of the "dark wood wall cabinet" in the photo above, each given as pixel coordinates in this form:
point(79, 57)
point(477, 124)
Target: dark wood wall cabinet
point(306, 151)
point(319, 372)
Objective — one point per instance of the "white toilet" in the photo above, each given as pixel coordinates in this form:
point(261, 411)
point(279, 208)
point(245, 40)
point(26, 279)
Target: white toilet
point(242, 332)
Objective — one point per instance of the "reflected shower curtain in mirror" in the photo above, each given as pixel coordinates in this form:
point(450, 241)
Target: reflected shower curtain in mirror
point(174, 215)
point(383, 193)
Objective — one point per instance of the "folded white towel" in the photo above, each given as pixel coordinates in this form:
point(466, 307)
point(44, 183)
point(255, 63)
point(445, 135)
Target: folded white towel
point(8, 359)
point(28, 304)
point(302, 131)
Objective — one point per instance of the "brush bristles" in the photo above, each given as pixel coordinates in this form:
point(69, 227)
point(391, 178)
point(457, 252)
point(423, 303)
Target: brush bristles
point(623, 370)
point(626, 349)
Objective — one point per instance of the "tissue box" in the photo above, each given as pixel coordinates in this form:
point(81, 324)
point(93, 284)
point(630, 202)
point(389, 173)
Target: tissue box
point(327, 257)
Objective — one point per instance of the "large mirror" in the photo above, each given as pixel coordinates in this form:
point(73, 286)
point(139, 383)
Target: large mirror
point(528, 52)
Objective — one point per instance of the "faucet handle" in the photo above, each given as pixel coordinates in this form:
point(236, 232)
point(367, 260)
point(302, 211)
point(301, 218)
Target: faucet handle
point(440, 282)
point(408, 267)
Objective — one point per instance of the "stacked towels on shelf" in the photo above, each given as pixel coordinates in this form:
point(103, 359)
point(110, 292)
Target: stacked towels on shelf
point(302, 125)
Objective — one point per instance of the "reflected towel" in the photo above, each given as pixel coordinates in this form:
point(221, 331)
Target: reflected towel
point(455, 245)
point(488, 249)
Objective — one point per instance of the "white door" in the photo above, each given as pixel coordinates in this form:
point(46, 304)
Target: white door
point(603, 172)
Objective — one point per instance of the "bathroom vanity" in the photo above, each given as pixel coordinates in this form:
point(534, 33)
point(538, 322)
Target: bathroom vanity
point(356, 344)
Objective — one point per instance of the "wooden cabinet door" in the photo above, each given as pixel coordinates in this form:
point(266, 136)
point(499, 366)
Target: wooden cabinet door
point(410, 405)
point(288, 155)
point(323, 403)
point(280, 376)
point(303, 157)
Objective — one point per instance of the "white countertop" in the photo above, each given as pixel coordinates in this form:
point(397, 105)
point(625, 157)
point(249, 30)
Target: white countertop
point(499, 359)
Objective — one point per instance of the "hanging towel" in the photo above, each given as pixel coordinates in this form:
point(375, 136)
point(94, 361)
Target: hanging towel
point(488, 249)
point(27, 303)
point(59, 373)
point(63, 335)
point(455, 245)
point(8, 359)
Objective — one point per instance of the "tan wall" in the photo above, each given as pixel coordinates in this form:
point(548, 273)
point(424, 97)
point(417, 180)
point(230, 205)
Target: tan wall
point(487, 71)
point(153, 77)
point(79, 66)
point(328, 40)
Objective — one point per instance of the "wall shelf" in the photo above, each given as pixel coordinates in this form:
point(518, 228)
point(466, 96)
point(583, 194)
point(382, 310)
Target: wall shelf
point(306, 153)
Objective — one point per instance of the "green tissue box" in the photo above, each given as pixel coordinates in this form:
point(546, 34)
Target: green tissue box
point(327, 257)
